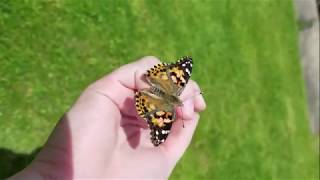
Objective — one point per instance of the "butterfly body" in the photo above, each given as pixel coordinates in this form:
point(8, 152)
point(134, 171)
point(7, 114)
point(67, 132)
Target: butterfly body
point(167, 98)
point(157, 104)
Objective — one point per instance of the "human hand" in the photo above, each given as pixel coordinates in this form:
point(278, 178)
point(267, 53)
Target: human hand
point(101, 136)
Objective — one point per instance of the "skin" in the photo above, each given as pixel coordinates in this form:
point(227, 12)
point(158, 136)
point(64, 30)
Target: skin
point(101, 135)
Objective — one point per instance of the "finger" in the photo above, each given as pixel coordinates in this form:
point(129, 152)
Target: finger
point(180, 138)
point(188, 92)
point(192, 91)
point(199, 103)
point(119, 86)
point(186, 112)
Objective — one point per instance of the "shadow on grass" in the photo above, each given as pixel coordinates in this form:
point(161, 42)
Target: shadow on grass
point(11, 162)
point(56, 154)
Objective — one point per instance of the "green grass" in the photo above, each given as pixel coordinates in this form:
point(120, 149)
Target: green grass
point(246, 62)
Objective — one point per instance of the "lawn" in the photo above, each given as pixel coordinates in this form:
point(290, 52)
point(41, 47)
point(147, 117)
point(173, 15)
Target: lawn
point(245, 60)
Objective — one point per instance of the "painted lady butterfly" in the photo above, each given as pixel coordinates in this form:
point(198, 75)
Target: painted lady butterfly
point(157, 104)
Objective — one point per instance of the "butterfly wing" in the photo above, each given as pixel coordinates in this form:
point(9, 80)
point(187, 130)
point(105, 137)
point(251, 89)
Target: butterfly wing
point(158, 77)
point(158, 114)
point(171, 78)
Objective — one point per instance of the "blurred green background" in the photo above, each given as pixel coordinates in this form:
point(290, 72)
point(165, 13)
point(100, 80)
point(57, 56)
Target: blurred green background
point(245, 60)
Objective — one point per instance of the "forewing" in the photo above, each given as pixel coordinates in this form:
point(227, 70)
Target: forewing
point(171, 78)
point(158, 115)
point(180, 73)
point(158, 77)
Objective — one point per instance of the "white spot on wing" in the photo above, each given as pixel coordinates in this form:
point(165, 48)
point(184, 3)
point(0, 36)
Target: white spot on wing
point(188, 71)
point(165, 131)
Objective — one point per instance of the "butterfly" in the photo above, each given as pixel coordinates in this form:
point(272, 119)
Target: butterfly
point(157, 103)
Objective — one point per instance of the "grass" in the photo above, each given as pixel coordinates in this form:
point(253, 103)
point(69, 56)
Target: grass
point(246, 61)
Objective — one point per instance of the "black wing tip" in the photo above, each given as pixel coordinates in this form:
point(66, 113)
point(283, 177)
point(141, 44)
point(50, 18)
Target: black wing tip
point(186, 58)
point(179, 61)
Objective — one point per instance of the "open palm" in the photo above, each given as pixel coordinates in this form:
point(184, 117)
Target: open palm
point(101, 136)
